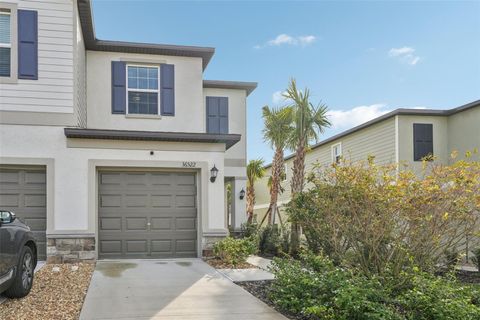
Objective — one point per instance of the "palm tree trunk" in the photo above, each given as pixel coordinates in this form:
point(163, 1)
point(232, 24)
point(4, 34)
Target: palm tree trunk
point(297, 187)
point(250, 203)
point(277, 166)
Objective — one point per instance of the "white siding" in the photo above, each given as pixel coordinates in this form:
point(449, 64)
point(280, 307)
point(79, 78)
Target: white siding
point(53, 91)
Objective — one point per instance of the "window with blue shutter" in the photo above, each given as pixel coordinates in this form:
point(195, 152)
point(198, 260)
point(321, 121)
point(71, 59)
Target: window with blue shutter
point(167, 91)
point(118, 87)
point(217, 115)
point(27, 44)
point(5, 42)
point(422, 141)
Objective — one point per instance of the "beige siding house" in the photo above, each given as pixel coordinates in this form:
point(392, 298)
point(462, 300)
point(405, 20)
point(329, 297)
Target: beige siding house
point(403, 135)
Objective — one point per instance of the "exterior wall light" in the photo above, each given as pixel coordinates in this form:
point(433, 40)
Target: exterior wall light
point(242, 194)
point(213, 174)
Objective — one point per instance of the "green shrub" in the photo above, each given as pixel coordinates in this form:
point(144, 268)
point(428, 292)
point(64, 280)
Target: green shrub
point(452, 258)
point(314, 287)
point(376, 217)
point(234, 251)
point(273, 240)
point(249, 230)
point(432, 297)
point(476, 258)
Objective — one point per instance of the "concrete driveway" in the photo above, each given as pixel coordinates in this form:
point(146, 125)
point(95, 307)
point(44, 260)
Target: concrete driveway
point(168, 289)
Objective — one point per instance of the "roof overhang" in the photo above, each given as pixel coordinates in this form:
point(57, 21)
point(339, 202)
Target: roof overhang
point(222, 84)
point(94, 44)
point(228, 139)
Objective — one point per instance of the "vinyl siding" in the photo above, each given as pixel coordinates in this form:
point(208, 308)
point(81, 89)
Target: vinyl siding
point(80, 87)
point(377, 140)
point(405, 138)
point(53, 91)
point(464, 132)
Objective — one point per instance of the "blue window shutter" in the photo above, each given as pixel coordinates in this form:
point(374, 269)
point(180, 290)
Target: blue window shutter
point(119, 87)
point(223, 114)
point(27, 44)
point(167, 89)
point(217, 115)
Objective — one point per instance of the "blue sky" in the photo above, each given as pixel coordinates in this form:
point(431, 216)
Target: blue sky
point(360, 58)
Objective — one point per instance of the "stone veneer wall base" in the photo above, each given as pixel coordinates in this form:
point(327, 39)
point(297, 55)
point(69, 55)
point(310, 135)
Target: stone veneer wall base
point(70, 250)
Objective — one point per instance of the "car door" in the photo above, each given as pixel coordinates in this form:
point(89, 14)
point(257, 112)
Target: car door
point(7, 243)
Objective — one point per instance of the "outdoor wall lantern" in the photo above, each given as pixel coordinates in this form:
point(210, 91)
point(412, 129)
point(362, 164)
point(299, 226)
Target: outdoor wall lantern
point(242, 194)
point(213, 174)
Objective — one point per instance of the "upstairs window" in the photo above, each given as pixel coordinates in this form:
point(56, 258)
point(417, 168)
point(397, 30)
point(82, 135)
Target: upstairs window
point(336, 153)
point(5, 42)
point(143, 89)
point(422, 141)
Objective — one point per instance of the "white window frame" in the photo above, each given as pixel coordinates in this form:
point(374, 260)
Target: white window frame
point(285, 168)
point(334, 156)
point(13, 43)
point(143, 90)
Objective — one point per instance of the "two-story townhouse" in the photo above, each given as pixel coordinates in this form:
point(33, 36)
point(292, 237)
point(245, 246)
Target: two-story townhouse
point(114, 149)
point(402, 136)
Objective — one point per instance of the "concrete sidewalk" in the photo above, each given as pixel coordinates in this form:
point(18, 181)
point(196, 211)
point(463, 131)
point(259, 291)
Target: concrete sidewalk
point(168, 289)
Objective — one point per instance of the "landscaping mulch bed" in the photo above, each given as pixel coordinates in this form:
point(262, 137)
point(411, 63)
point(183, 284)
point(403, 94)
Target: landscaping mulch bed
point(54, 295)
point(219, 264)
point(472, 277)
point(260, 289)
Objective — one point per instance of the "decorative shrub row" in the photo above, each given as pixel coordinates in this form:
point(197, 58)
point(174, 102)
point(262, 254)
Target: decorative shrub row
point(314, 287)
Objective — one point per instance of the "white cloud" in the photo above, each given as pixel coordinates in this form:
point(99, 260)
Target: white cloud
point(285, 39)
point(405, 54)
point(277, 97)
point(345, 119)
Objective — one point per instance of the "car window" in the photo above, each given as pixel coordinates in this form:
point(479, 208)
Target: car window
point(5, 216)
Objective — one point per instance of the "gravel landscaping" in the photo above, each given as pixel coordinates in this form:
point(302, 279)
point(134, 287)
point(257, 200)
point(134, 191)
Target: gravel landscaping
point(58, 293)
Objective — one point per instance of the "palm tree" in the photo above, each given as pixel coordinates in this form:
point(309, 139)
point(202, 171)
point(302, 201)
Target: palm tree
point(277, 131)
point(309, 121)
point(255, 171)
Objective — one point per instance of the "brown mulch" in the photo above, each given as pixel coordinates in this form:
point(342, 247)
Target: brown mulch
point(219, 264)
point(54, 295)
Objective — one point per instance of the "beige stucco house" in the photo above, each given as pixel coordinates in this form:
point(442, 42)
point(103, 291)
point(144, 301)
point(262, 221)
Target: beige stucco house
point(400, 136)
point(114, 149)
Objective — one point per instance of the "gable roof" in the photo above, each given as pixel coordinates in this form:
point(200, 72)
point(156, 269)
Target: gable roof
point(94, 44)
point(400, 111)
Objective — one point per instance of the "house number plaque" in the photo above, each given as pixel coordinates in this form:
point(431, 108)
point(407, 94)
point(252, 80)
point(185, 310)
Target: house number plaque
point(189, 164)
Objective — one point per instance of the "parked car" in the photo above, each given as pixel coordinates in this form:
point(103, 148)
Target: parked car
point(18, 256)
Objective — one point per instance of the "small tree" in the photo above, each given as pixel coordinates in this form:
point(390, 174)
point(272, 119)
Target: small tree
point(255, 171)
point(377, 219)
point(277, 131)
point(309, 121)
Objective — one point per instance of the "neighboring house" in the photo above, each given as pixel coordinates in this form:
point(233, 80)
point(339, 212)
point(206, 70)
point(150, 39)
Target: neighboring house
point(400, 136)
point(108, 148)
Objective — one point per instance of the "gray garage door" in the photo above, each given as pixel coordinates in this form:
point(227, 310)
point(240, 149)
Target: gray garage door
point(23, 191)
point(147, 215)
